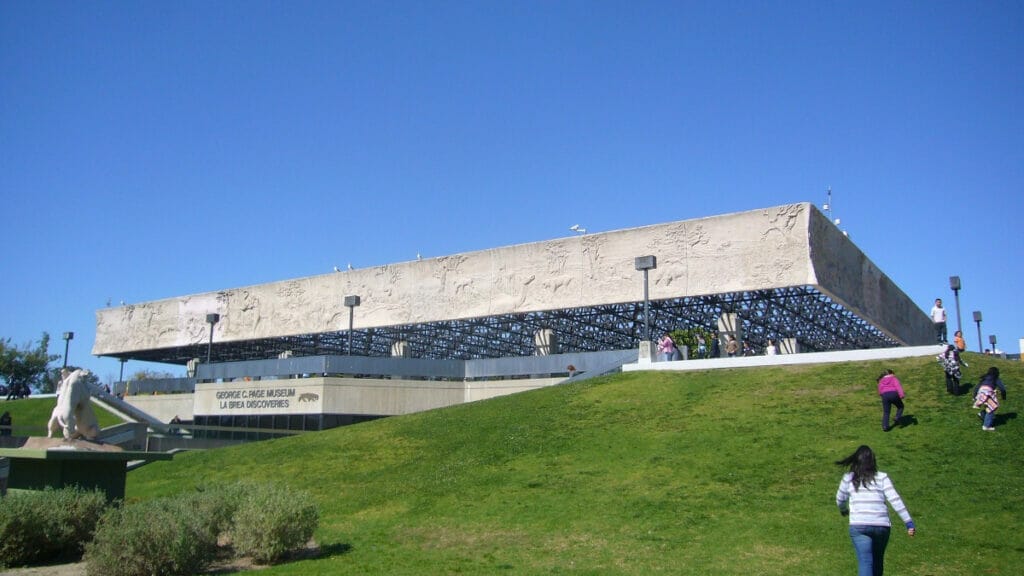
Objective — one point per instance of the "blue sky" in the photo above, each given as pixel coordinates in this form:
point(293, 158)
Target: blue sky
point(156, 149)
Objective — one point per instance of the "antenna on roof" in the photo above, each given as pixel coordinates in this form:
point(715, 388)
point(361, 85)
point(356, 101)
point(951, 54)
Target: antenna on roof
point(828, 211)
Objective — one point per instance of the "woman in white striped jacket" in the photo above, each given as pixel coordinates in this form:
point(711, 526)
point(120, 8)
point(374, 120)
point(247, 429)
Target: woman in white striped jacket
point(862, 495)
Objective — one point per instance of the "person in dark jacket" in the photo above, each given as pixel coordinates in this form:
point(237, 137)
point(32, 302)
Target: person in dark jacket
point(985, 398)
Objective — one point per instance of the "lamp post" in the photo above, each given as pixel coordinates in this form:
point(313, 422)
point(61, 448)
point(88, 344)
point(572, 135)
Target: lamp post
point(954, 284)
point(121, 377)
point(646, 263)
point(211, 319)
point(992, 341)
point(351, 302)
point(68, 336)
point(977, 318)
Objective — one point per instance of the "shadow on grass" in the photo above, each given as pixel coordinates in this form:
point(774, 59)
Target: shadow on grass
point(908, 420)
point(1001, 419)
point(239, 565)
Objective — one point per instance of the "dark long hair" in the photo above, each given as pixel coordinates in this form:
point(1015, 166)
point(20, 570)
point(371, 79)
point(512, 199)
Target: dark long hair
point(862, 464)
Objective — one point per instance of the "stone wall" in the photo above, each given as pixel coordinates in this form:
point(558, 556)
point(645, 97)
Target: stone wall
point(756, 250)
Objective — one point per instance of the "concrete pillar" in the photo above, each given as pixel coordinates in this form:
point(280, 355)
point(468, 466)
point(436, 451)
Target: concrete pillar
point(545, 342)
point(190, 367)
point(729, 325)
point(788, 346)
point(400, 349)
point(646, 352)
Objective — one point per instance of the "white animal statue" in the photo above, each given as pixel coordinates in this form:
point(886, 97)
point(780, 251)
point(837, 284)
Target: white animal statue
point(54, 425)
point(73, 413)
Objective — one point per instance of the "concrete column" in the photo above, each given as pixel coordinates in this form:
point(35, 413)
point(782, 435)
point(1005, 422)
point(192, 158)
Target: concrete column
point(545, 342)
point(190, 367)
point(400, 349)
point(646, 352)
point(789, 346)
point(729, 325)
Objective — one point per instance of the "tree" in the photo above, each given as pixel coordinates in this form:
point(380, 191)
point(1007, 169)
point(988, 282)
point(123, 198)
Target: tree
point(53, 379)
point(688, 337)
point(151, 375)
point(25, 368)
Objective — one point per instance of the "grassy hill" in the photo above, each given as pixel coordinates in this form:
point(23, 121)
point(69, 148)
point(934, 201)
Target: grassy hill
point(29, 416)
point(717, 472)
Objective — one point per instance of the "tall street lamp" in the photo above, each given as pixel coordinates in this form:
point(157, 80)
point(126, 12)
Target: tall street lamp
point(954, 284)
point(977, 318)
point(351, 302)
point(211, 319)
point(646, 263)
point(68, 336)
point(992, 341)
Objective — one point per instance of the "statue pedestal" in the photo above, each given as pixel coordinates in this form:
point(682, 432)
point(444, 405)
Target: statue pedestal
point(38, 463)
point(646, 355)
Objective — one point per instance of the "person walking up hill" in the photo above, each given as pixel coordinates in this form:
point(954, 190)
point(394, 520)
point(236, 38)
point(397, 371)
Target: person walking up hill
point(863, 493)
point(892, 394)
point(985, 397)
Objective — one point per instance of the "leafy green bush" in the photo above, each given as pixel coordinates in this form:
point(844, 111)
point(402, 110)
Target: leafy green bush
point(272, 521)
point(214, 507)
point(48, 525)
point(687, 338)
point(178, 536)
point(165, 536)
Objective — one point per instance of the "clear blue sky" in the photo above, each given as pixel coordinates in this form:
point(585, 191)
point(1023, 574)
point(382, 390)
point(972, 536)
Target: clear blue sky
point(157, 149)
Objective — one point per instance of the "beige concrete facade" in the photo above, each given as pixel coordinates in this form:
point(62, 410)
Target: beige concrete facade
point(164, 407)
point(778, 247)
point(352, 396)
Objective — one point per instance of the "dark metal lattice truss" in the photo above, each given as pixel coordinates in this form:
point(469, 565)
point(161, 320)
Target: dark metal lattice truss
point(817, 323)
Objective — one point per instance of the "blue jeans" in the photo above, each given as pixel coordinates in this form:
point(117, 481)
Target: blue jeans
point(869, 543)
point(990, 419)
point(890, 399)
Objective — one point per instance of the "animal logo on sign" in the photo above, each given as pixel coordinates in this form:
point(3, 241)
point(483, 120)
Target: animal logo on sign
point(308, 397)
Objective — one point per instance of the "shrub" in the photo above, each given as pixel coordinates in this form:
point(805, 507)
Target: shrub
point(52, 524)
point(272, 521)
point(214, 507)
point(164, 536)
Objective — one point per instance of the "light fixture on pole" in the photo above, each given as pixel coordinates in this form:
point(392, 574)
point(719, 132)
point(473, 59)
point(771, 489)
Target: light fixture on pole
point(351, 302)
point(211, 319)
point(954, 284)
point(977, 318)
point(68, 336)
point(121, 377)
point(577, 229)
point(646, 263)
point(992, 341)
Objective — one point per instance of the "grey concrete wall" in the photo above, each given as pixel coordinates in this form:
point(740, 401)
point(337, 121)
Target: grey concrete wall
point(761, 249)
point(849, 277)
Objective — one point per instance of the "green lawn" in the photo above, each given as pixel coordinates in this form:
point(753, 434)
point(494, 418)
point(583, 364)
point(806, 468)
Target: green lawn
point(718, 472)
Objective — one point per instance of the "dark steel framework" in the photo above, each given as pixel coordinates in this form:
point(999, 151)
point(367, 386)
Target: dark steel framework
point(804, 313)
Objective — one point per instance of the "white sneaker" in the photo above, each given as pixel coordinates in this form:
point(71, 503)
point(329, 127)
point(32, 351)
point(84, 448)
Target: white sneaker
point(988, 428)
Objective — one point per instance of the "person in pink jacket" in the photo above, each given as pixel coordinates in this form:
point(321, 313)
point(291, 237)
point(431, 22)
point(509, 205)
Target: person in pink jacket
point(891, 391)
